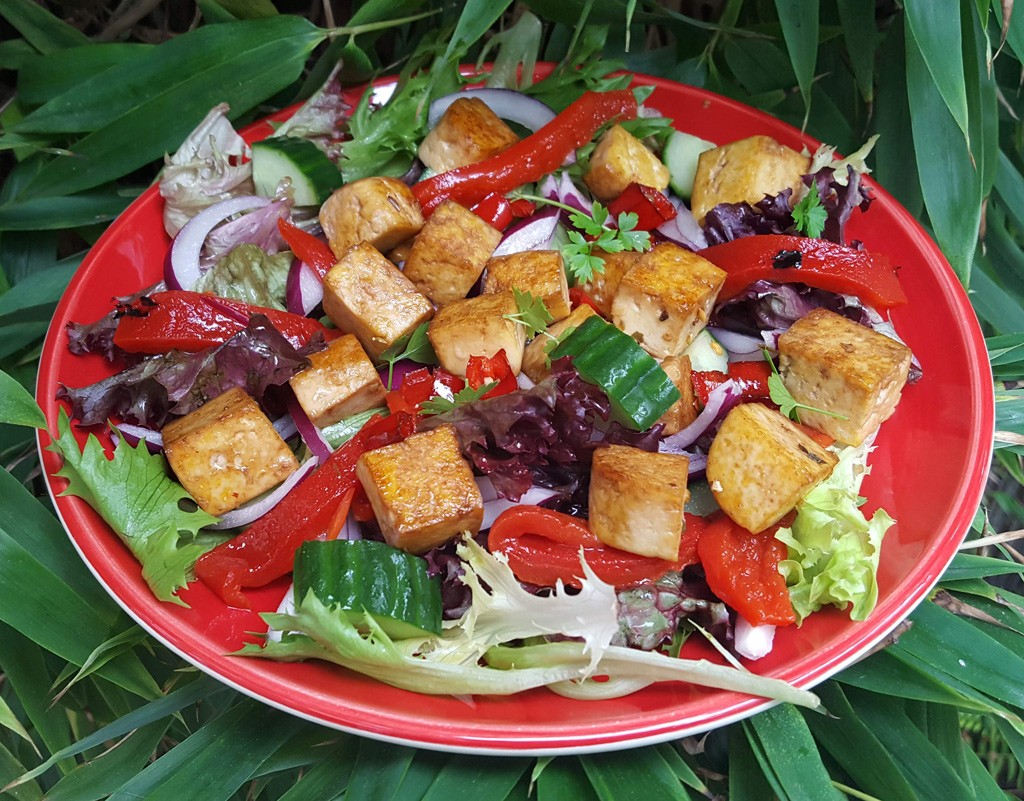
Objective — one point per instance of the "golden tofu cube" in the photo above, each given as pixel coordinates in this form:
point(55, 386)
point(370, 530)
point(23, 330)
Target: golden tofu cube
point(367, 295)
point(760, 465)
point(535, 357)
point(467, 132)
point(746, 170)
point(620, 159)
point(382, 212)
point(449, 254)
point(683, 411)
point(832, 363)
point(603, 285)
point(539, 272)
point(227, 452)
point(477, 327)
point(339, 382)
point(422, 490)
point(636, 500)
point(664, 300)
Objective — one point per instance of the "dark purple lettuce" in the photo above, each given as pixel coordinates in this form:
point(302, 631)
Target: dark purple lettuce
point(149, 393)
point(839, 201)
point(767, 306)
point(545, 435)
point(98, 337)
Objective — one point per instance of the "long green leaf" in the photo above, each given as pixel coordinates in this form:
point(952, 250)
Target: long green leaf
point(238, 63)
point(950, 181)
point(564, 778)
point(379, 770)
point(9, 720)
point(966, 565)
point(938, 40)
point(46, 77)
point(10, 768)
point(799, 20)
point(789, 750)
point(41, 29)
point(860, 35)
point(17, 406)
point(477, 777)
point(323, 781)
point(73, 211)
point(613, 776)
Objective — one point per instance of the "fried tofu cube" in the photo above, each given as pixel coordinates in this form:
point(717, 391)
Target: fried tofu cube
point(535, 357)
point(604, 284)
point(636, 500)
point(664, 300)
point(760, 465)
point(683, 411)
point(834, 364)
point(339, 382)
point(227, 452)
point(449, 254)
point(539, 272)
point(382, 212)
point(745, 170)
point(477, 327)
point(620, 159)
point(467, 132)
point(422, 490)
point(367, 295)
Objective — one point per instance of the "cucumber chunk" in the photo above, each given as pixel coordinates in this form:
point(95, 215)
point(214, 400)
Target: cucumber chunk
point(706, 354)
point(313, 176)
point(356, 577)
point(639, 390)
point(680, 156)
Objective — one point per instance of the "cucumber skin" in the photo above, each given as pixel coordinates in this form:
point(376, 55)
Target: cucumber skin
point(680, 156)
point(362, 576)
point(314, 176)
point(639, 390)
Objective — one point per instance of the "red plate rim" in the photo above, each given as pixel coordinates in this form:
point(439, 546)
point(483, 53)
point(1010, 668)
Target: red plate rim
point(639, 724)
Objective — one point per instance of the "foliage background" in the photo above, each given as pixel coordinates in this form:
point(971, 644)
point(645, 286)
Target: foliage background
point(91, 707)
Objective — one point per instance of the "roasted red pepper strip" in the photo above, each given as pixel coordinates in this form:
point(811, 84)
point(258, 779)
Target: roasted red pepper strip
point(265, 551)
point(650, 206)
point(742, 568)
point(191, 321)
point(482, 370)
point(543, 546)
point(815, 262)
point(311, 250)
point(752, 378)
point(577, 298)
point(529, 159)
point(495, 210)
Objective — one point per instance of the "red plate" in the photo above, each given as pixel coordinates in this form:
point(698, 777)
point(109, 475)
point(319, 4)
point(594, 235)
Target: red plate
point(928, 471)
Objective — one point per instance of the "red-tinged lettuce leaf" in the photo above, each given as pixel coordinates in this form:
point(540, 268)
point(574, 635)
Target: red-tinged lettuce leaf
point(98, 337)
point(149, 393)
point(135, 494)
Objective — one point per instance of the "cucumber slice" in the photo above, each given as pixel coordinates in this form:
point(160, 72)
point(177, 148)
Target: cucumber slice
point(680, 156)
point(639, 390)
point(314, 176)
point(359, 576)
point(706, 354)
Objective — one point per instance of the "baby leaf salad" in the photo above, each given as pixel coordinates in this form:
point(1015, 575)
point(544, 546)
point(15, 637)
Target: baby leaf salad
point(526, 412)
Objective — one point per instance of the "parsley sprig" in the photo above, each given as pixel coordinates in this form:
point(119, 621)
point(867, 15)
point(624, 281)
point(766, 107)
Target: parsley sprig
point(533, 314)
point(415, 347)
point(439, 404)
point(784, 399)
point(809, 215)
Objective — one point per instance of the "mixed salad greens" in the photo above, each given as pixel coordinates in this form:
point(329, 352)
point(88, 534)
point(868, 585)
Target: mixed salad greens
point(518, 591)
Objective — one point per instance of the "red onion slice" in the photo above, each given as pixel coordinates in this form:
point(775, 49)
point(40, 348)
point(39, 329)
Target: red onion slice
point(721, 399)
point(506, 103)
point(134, 434)
point(533, 233)
point(246, 514)
point(304, 290)
point(182, 267)
point(738, 344)
point(285, 427)
point(310, 434)
point(683, 228)
point(751, 641)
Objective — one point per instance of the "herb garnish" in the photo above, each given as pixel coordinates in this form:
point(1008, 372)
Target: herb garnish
point(415, 347)
point(782, 397)
point(439, 404)
point(594, 233)
point(809, 214)
point(533, 314)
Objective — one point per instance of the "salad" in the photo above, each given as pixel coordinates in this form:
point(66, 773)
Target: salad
point(526, 418)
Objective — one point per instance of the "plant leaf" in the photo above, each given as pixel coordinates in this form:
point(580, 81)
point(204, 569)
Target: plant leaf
point(41, 29)
point(17, 406)
point(799, 20)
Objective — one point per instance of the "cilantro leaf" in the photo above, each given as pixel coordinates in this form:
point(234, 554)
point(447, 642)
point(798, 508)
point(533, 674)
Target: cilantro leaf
point(138, 499)
point(783, 398)
point(440, 404)
point(533, 314)
point(579, 254)
point(809, 215)
point(415, 347)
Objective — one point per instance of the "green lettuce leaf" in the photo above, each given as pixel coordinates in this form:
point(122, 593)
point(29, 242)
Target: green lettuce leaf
point(247, 273)
point(833, 548)
point(138, 499)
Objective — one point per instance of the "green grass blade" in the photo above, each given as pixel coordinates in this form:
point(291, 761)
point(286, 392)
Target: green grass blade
point(46, 77)
point(17, 406)
point(45, 32)
point(861, 39)
point(799, 20)
point(613, 776)
point(73, 211)
point(992, 302)
point(684, 772)
point(215, 761)
point(1009, 186)
point(938, 39)
point(985, 787)
point(379, 770)
point(748, 780)
point(965, 566)
point(477, 777)
point(9, 720)
point(564, 778)
point(322, 781)
point(950, 182)
point(855, 747)
point(790, 753)
point(10, 769)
